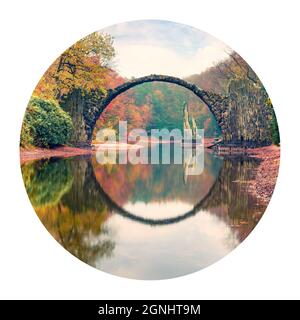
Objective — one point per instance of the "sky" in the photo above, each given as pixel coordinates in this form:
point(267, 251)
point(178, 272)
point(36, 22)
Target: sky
point(153, 46)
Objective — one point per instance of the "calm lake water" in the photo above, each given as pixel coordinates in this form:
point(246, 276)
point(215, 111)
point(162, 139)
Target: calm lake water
point(144, 221)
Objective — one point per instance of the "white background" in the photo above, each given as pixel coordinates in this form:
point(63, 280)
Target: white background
point(265, 265)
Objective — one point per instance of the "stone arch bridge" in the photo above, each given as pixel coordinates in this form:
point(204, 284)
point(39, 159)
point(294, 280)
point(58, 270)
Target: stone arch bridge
point(240, 116)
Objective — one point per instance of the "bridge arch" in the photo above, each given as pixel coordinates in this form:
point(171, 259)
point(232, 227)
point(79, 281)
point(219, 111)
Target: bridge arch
point(217, 104)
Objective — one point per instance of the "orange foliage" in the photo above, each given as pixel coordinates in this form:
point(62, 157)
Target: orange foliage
point(81, 66)
point(122, 108)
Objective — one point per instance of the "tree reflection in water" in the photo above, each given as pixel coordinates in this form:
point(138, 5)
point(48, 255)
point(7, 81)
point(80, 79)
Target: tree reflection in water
point(68, 197)
point(77, 218)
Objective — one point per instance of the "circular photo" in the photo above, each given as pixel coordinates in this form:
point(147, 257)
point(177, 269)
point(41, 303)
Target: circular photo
point(149, 149)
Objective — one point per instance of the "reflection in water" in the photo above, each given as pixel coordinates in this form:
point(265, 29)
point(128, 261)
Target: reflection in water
point(80, 203)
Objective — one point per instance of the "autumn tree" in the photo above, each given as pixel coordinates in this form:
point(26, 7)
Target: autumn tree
point(77, 79)
point(234, 74)
point(82, 66)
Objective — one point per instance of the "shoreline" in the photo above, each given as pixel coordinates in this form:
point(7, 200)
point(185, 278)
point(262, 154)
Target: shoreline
point(27, 155)
point(265, 175)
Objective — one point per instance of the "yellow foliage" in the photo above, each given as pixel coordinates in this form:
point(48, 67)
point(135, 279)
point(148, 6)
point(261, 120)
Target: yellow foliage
point(82, 66)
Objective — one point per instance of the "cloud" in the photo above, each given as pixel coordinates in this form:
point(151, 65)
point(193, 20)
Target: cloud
point(158, 33)
point(140, 60)
point(164, 47)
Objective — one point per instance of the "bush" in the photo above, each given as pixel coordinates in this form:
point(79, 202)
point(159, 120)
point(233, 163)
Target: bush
point(45, 124)
point(26, 138)
point(275, 130)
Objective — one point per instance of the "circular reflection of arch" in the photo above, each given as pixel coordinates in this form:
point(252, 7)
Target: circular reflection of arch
point(158, 222)
point(214, 103)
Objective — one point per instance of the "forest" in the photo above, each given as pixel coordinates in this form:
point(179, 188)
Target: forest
point(85, 71)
